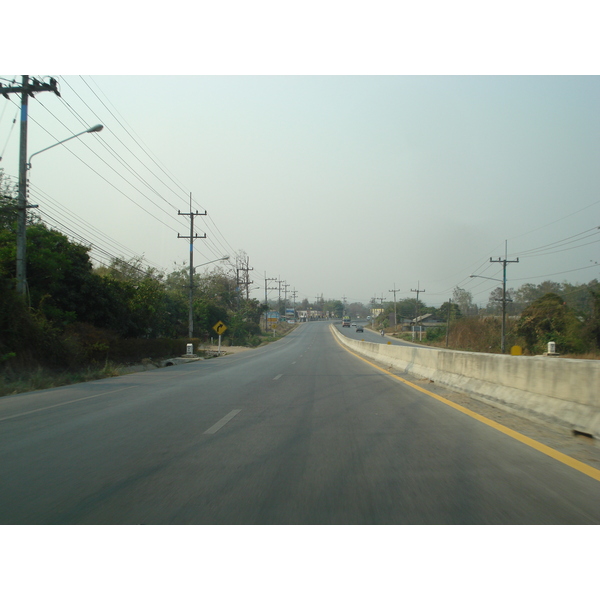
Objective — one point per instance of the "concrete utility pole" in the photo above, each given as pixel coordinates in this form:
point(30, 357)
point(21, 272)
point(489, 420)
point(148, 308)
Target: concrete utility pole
point(26, 89)
point(267, 279)
point(395, 310)
point(191, 237)
point(504, 262)
point(285, 287)
point(244, 262)
point(373, 311)
point(448, 322)
point(416, 305)
point(343, 306)
point(279, 282)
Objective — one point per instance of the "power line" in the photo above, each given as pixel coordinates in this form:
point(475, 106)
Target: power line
point(82, 224)
point(128, 133)
point(110, 167)
point(114, 152)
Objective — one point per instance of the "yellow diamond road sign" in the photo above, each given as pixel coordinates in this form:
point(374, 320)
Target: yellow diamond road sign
point(220, 327)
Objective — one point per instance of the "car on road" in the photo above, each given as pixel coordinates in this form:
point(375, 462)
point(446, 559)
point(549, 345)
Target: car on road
point(360, 329)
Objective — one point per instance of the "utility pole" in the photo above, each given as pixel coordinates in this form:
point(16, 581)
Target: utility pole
point(343, 306)
point(285, 287)
point(294, 294)
point(504, 262)
point(244, 261)
point(417, 306)
point(448, 322)
point(395, 309)
point(191, 237)
point(267, 279)
point(279, 282)
point(373, 312)
point(26, 89)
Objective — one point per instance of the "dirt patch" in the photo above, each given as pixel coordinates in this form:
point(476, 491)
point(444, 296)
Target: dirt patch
point(226, 349)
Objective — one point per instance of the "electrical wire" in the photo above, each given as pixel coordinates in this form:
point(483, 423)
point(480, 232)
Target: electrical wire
point(62, 228)
point(211, 221)
point(11, 127)
point(119, 158)
point(128, 133)
point(170, 215)
point(79, 222)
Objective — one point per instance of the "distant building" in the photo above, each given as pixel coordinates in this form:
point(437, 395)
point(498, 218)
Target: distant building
point(422, 321)
point(309, 315)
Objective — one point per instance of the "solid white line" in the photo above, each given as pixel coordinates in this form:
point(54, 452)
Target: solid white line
point(277, 377)
point(63, 403)
point(223, 421)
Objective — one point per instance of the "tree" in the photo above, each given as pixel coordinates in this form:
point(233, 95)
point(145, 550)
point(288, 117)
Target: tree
point(592, 326)
point(464, 299)
point(494, 305)
point(442, 311)
point(548, 319)
point(335, 308)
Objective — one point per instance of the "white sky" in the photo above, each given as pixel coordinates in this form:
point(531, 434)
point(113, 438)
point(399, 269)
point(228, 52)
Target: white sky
point(341, 185)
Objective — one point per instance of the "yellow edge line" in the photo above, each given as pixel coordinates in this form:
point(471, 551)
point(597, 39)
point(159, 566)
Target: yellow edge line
point(555, 454)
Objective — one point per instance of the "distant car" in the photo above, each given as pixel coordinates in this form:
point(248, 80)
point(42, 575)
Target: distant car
point(360, 329)
point(353, 324)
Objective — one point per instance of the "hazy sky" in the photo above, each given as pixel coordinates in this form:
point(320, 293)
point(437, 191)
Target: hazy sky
point(340, 185)
point(326, 142)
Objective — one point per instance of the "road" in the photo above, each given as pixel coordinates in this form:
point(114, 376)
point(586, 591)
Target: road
point(296, 432)
point(368, 335)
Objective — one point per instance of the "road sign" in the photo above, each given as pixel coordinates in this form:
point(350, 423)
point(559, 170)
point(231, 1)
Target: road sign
point(220, 327)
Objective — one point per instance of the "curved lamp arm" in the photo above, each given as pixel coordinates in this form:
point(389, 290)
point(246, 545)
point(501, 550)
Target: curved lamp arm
point(94, 129)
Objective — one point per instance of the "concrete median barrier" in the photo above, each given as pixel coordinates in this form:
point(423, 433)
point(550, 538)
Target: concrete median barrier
point(559, 391)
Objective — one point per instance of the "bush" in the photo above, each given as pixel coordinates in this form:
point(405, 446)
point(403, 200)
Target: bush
point(549, 319)
point(435, 334)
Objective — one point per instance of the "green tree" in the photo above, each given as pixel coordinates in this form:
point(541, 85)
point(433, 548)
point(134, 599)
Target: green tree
point(442, 312)
point(548, 319)
point(592, 325)
point(335, 307)
point(464, 299)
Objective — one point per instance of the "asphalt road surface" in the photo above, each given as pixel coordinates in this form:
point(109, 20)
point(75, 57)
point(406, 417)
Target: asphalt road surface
point(297, 432)
point(368, 335)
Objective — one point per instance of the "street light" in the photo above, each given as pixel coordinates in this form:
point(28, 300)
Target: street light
point(211, 261)
point(191, 312)
point(94, 129)
point(22, 209)
point(503, 281)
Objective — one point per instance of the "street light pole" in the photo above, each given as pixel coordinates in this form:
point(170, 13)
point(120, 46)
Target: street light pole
point(24, 166)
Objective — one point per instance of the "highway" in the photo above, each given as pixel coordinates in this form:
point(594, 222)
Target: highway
point(296, 432)
point(368, 335)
